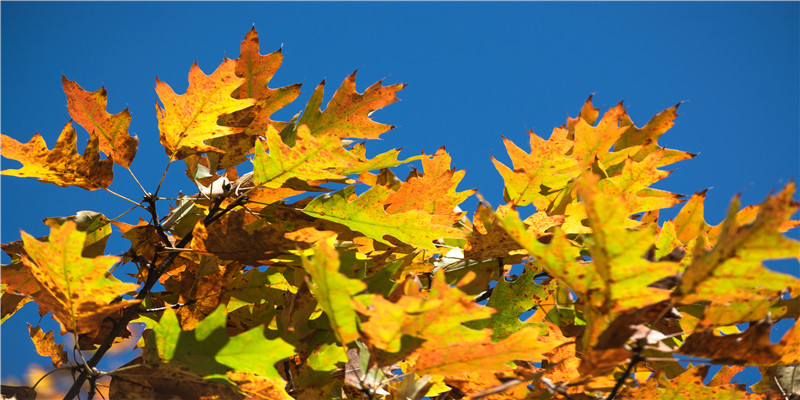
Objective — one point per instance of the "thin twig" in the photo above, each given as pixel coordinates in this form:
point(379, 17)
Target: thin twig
point(137, 180)
point(123, 214)
point(121, 196)
point(164, 175)
point(635, 359)
point(130, 313)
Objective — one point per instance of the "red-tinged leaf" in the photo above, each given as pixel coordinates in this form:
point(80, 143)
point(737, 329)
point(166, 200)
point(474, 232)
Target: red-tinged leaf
point(241, 237)
point(457, 357)
point(62, 165)
point(257, 71)
point(732, 270)
point(89, 110)
point(751, 347)
point(365, 214)
point(688, 385)
point(46, 346)
point(188, 120)
point(348, 113)
point(434, 192)
point(437, 318)
point(78, 291)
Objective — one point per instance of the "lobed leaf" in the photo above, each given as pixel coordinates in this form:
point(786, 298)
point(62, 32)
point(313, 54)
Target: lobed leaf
point(61, 166)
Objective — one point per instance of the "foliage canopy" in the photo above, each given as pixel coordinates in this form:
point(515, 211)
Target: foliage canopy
point(321, 274)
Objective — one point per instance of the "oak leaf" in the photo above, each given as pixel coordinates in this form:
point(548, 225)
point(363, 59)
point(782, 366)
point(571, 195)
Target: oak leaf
point(78, 291)
point(186, 121)
point(46, 346)
point(333, 290)
point(313, 159)
point(366, 214)
point(347, 114)
point(732, 271)
point(62, 165)
point(89, 110)
point(207, 350)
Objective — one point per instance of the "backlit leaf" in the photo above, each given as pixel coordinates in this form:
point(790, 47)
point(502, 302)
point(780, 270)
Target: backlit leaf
point(62, 165)
point(365, 214)
point(46, 346)
point(188, 120)
point(348, 113)
point(89, 110)
point(78, 291)
point(732, 270)
point(312, 158)
point(333, 290)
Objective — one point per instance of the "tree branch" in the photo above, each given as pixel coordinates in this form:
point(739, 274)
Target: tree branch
point(154, 272)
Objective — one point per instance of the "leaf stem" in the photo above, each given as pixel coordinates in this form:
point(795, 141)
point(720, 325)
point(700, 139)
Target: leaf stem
point(121, 196)
point(137, 180)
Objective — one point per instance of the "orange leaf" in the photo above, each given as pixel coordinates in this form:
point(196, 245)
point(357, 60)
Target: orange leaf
point(78, 291)
point(241, 237)
point(46, 346)
point(188, 120)
point(434, 192)
point(347, 114)
point(61, 166)
point(456, 357)
point(751, 347)
point(89, 110)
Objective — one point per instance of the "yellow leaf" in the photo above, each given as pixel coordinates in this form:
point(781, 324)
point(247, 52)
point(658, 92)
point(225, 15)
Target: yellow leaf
point(78, 291)
point(188, 120)
point(61, 166)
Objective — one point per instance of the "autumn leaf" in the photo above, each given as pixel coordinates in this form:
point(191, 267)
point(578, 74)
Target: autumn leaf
point(732, 271)
point(241, 237)
point(188, 120)
point(347, 114)
point(434, 191)
point(257, 71)
point(333, 290)
point(437, 318)
point(617, 278)
point(365, 214)
point(511, 299)
point(687, 385)
point(458, 357)
point(751, 347)
point(537, 174)
point(46, 346)
point(78, 291)
point(89, 110)
point(61, 166)
point(313, 158)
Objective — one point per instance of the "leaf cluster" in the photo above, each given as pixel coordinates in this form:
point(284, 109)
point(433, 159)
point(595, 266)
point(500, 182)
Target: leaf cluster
point(302, 268)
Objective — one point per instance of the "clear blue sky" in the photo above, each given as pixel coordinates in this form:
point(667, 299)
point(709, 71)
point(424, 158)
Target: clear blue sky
point(475, 71)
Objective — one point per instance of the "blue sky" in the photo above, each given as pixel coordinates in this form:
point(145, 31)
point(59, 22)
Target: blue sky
point(475, 71)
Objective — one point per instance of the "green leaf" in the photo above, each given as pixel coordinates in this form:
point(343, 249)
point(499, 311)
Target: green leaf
point(207, 349)
point(313, 158)
point(365, 214)
point(333, 290)
point(252, 352)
